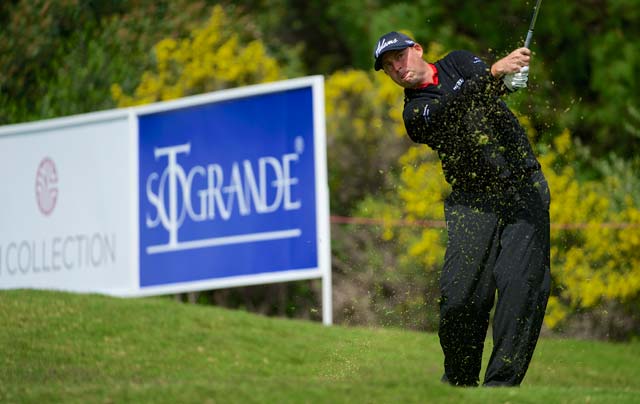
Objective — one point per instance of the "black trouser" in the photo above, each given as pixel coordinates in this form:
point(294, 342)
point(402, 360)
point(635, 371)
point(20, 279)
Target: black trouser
point(497, 241)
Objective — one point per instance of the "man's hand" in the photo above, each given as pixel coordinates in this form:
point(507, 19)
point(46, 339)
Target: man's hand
point(513, 68)
point(512, 63)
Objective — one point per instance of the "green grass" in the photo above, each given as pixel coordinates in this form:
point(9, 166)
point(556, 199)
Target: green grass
point(59, 347)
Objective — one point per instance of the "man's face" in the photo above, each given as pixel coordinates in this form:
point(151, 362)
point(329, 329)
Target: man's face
point(405, 67)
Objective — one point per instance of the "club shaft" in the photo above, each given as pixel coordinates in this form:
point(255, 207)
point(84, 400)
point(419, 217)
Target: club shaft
point(527, 41)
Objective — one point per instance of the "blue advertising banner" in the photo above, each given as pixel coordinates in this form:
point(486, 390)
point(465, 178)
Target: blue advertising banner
point(228, 188)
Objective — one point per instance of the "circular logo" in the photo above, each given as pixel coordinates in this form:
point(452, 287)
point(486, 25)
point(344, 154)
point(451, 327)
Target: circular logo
point(46, 186)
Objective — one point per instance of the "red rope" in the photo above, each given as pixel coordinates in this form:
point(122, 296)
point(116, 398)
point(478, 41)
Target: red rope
point(440, 224)
point(435, 224)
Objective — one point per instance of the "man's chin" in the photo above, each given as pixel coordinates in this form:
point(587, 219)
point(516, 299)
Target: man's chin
point(410, 84)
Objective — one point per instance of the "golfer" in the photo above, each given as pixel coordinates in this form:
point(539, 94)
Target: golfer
point(497, 213)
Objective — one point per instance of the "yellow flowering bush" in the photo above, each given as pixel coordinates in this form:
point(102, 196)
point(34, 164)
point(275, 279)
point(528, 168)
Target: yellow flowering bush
point(595, 243)
point(421, 192)
point(213, 57)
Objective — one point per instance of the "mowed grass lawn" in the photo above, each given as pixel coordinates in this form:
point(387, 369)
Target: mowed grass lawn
point(61, 347)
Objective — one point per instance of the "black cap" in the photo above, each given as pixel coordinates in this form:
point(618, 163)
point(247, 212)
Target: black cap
point(391, 41)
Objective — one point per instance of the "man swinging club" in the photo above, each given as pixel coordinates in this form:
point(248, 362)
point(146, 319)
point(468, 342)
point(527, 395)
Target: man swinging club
point(497, 213)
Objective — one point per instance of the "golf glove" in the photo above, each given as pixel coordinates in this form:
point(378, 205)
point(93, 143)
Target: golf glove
point(514, 81)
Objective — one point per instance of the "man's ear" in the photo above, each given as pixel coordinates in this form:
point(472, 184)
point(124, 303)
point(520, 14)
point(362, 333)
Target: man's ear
point(418, 48)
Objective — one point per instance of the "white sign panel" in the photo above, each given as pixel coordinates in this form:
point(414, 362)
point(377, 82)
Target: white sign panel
point(65, 210)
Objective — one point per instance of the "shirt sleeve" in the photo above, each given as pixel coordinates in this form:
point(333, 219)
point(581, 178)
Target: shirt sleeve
point(474, 68)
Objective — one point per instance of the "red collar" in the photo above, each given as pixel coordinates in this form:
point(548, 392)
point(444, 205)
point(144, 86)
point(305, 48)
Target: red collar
point(435, 78)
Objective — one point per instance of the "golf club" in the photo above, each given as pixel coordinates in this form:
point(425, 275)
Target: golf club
point(536, 9)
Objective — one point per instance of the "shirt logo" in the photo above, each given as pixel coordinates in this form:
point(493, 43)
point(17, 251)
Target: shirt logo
point(458, 84)
point(425, 113)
